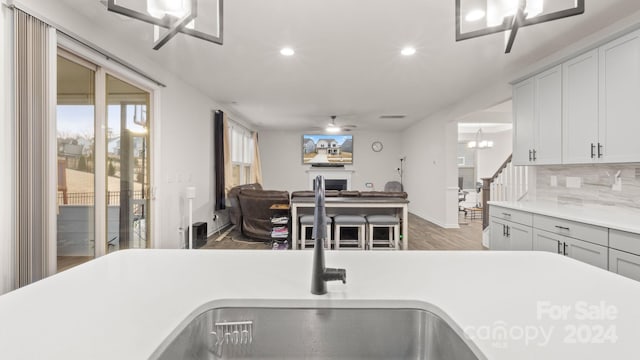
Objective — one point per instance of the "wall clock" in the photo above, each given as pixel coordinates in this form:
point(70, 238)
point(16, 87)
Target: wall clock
point(376, 146)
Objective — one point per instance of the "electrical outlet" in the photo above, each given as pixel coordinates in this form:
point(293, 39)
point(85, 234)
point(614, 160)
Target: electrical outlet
point(554, 181)
point(617, 186)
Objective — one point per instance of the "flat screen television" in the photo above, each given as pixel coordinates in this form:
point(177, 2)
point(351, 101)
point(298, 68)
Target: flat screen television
point(327, 150)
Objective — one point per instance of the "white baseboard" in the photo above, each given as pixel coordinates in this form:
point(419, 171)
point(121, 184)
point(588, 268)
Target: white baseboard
point(439, 223)
point(485, 237)
point(220, 228)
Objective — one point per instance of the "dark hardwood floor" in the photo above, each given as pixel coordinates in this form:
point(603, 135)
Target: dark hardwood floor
point(423, 235)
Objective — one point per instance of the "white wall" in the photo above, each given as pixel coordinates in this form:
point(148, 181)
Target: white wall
point(425, 170)
point(490, 159)
point(184, 151)
point(282, 168)
point(6, 159)
point(431, 149)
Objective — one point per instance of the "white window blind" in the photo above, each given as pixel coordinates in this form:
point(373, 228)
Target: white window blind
point(242, 150)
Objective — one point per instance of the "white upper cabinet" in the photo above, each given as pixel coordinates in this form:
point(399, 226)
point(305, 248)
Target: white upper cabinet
point(537, 104)
point(524, 117)
point(620, 99)
point(585, 111)
point(548, 120)
point(580, 98)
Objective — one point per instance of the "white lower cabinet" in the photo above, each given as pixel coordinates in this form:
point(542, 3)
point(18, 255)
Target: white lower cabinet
point(546, 241)
point(596, 255)
point(507, 235)
point(624, 253)
point(624, 264)
point(590, 253)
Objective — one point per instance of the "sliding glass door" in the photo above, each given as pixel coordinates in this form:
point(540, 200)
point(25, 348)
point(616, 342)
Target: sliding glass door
point(76, 111)
point(103, 189)
point(127, 165)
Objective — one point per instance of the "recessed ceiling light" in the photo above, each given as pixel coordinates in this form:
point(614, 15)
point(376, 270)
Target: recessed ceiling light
point(474, 15)
point(287, 51)
point(408, 51)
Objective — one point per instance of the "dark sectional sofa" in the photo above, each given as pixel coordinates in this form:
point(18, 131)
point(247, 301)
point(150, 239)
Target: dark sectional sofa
point(250, 206)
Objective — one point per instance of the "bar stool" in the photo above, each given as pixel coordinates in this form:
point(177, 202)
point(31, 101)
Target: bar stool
point(350, 221)
point(391, 223)
point(306, 221)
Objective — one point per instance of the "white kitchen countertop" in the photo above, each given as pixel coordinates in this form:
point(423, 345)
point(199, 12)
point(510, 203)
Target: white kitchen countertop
point(123, 305)
point(613, 217)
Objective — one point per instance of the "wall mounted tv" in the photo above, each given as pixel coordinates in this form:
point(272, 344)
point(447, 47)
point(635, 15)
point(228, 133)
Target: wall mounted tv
point(327, 150)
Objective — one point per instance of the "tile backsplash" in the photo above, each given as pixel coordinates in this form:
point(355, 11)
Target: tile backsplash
point(596, 184)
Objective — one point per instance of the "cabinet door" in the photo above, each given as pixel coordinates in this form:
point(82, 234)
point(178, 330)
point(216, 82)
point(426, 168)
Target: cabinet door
point(587, 252)
point(580, 98)
point(548, 117)
point(523, 121)
point(520, 237)
point(620, 99)
point(498, 240)
point(546, 241)
point(624, 264)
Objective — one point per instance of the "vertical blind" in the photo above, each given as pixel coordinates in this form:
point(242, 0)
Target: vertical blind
point(32, 108)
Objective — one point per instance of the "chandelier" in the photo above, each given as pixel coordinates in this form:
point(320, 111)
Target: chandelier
point(177, 16)
point(479, 143)
point(475, 18)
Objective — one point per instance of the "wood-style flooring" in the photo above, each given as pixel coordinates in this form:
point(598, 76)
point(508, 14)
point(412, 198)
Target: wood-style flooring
point(423, 235)
point(67, 262)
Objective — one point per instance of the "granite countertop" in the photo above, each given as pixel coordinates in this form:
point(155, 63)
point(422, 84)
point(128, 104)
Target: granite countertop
point(124, 305)
point(613, 217)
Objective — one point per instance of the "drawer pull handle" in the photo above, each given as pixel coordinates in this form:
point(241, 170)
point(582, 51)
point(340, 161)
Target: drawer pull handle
point(506, 214)
point(565, 248)
point(559, 250)
point(562, 227)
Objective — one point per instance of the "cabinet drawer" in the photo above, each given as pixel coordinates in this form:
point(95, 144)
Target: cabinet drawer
point(624, 264)
point(594, 234)
point(516, 216)
point(584, 251)
point(624, 241)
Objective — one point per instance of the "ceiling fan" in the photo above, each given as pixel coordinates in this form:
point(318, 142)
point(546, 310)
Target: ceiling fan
point(335, 128)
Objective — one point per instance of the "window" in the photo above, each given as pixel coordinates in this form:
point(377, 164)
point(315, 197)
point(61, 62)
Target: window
point(241, 146)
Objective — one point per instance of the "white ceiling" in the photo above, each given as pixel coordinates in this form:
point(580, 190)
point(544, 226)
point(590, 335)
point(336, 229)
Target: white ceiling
point(347, 59)
point(472, 128)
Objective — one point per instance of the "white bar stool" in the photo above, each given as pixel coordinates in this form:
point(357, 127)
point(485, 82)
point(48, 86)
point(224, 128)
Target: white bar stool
point(352, 221)
point(391, 223)
point(306, 221)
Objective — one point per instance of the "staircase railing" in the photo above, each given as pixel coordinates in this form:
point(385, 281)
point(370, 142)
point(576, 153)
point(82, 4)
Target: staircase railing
point(509, 183)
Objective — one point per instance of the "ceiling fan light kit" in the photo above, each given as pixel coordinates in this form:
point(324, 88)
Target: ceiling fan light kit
point(177, 16)
point(508, 15)
point(332, 127)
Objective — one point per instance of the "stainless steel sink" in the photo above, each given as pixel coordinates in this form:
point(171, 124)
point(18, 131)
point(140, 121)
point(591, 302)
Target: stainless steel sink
point(315, 333)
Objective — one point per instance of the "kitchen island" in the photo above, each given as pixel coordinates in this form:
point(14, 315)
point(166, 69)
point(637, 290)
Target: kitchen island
point(124, 305)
